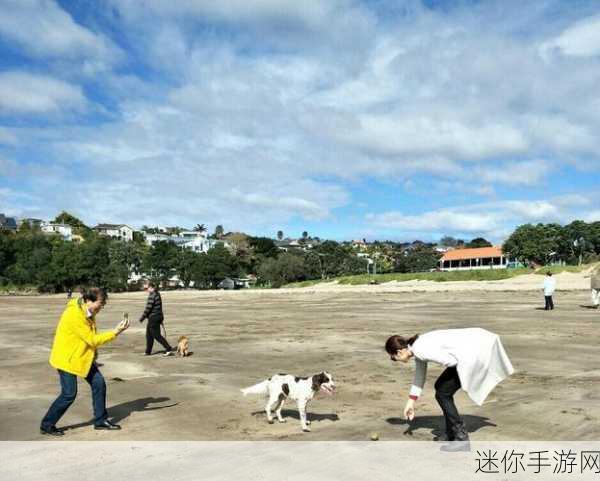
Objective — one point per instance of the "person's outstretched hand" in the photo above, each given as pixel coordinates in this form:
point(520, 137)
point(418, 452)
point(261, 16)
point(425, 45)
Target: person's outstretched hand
point(409, 410)
point(123, 325)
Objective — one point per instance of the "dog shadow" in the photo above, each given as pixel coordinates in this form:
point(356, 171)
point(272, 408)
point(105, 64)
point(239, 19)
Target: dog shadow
point(437, 424)
point(294, 414)
point(588, 306)
point(119, 412)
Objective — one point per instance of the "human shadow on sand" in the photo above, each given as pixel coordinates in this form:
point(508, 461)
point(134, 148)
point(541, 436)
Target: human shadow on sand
point(292, 413)
point(588, 306)
point(437, 425)
point(119, 412)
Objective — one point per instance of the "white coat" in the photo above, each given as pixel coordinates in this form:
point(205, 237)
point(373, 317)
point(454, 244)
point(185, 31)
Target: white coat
point(549, 285)
point(478, 355)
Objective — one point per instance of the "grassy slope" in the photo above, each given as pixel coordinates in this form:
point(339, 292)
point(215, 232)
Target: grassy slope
point(475, 275)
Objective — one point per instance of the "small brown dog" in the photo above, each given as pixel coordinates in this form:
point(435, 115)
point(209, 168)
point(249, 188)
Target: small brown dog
point(183, 346)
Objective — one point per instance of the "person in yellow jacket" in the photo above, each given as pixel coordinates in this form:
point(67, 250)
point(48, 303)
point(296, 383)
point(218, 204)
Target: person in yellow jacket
point(73, 354)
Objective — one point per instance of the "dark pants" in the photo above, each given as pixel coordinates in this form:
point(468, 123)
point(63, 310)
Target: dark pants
point(549, 303)
point(152, 333)
point(445, 387)
point(68, 393)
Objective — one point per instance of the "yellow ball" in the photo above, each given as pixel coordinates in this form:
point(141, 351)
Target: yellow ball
point(374, 436)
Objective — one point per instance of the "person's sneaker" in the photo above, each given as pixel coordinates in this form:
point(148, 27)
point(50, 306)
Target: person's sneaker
point(51, 431)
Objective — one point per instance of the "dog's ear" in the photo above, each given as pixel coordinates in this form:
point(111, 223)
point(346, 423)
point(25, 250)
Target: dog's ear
point(317, 380)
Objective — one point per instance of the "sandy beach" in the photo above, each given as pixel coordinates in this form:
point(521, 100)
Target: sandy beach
point(241, 337)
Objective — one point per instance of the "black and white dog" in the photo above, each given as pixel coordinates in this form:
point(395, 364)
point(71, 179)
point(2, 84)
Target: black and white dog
point(300, 389)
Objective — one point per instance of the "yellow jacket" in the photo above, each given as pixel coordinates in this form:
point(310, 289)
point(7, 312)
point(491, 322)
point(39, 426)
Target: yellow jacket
point(76, 340)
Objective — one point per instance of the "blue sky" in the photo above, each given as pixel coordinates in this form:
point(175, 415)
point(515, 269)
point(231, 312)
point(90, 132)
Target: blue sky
point(384, 119)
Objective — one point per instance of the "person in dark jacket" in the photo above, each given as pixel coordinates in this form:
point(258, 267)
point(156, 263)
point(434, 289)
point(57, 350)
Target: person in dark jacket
point(154, 314)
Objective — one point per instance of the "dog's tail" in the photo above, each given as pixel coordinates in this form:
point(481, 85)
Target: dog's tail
point(260, 388)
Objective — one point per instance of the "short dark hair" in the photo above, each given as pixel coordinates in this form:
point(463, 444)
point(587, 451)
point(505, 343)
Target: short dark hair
point(397, 343)
point(94, 294)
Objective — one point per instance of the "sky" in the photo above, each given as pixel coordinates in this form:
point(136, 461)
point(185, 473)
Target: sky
point(380, 119)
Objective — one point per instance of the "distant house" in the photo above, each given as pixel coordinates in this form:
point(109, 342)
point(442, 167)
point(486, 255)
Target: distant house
point(7, 223)
point(288, 244)
point(115, 231)
point(199, 244)
point(478, 258)
point(63, 230)
point(33, 223)
point(151, 239)
point(359, 244)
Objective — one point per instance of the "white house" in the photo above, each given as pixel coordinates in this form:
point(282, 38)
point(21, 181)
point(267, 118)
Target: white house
point(150, 239)
point(199, 244)
point(115, 231)
point(64, 230)
point(475, 258)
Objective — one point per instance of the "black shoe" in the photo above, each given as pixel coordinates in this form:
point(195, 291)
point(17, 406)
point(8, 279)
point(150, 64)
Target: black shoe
point(106, 424)
point(51, 431)
point(444, 438)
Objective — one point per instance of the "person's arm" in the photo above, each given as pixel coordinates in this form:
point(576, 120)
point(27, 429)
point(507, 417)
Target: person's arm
point(149, 304)
point(418, 380)
point(83, 330)
point(441, 357)
point(416, 388)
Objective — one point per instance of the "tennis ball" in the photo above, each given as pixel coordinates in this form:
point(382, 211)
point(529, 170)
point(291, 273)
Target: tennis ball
point(374, 436)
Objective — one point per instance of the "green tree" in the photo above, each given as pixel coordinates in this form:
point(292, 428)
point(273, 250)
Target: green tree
point(479, 242)
point(534, 243)
point(263, 246)
point(448, 241)
point(187, 261)
point(200, 228)
point(282, 270)
point(421, 258)
point(219, 232)
point(160, 261)
point(68, 219)
point(279, 235)
point(79, 228)
point(125, 259)
point(214, 266)
point(7, 254)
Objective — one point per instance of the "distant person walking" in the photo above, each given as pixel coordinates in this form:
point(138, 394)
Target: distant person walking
point(74, 353)
point(595, 286)
point(154, 314)
point(549, 288)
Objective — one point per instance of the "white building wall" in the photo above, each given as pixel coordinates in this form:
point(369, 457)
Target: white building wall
point(64, 230)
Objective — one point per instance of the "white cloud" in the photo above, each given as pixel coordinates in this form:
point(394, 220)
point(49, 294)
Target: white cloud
point(527, 173)
point(310, 13)
point(579, 40)
point(43, 30)
point(493, 220)
point(22, 92)
point(441, 220)
point(265, 112)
